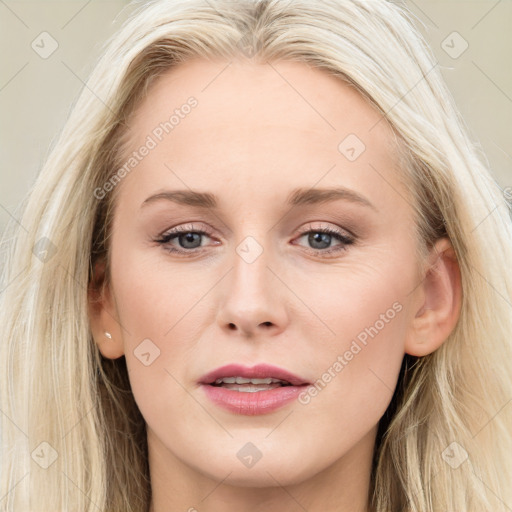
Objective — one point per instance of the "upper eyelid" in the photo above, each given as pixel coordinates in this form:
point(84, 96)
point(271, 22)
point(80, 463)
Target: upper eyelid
point(208, 231)
point(191, 226)
point(310, 227)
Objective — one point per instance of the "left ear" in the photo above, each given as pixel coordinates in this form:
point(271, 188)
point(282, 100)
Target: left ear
point(440, 299)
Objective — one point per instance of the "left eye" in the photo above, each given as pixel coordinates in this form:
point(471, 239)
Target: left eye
point(321, 240)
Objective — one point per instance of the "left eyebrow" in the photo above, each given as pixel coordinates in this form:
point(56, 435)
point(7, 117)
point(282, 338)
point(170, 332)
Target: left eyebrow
point(298, 197)
point(302, 196)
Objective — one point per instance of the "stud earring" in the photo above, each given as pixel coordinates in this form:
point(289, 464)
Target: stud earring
point(108, 335)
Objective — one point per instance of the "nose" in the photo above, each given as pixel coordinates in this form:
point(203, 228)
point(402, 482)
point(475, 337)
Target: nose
point(253, 297)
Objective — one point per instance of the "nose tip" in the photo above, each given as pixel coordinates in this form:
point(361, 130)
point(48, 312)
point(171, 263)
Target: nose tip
point(250, 303)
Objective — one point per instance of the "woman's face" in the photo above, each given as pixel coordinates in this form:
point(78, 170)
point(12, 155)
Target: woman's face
point(264, 285)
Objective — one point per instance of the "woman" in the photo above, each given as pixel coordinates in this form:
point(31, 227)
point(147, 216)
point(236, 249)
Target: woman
point(262, 268)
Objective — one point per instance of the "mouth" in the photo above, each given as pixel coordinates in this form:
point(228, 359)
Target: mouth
point(249, 385)
point(250, 391)
point(259, 377)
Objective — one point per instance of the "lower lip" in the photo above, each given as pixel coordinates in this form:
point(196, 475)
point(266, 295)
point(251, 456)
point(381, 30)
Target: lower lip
point(251, 404)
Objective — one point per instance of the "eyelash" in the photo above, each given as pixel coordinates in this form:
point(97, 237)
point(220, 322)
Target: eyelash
point(340, 236)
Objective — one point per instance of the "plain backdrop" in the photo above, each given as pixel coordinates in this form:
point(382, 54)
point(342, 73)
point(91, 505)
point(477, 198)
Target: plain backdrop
point(48, 48)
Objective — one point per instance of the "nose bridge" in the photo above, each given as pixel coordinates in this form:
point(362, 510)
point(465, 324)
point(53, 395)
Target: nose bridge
point(250, 275)
point(251, 299)
point(252, 247)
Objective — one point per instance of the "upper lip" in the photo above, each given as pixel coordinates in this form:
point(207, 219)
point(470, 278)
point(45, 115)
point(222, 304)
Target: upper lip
point(260, 371)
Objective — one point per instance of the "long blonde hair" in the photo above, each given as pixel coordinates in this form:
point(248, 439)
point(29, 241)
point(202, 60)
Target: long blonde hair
point(73, 438)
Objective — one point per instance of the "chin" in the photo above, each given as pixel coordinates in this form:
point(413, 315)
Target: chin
point(270, 470)
point(265, 476)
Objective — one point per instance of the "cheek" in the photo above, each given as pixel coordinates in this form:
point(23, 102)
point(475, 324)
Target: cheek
point(154, 294)
point(154, 307)
point(357, 376)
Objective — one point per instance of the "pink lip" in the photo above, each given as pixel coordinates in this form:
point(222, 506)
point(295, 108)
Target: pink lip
point(260, 371)
point(250, 404)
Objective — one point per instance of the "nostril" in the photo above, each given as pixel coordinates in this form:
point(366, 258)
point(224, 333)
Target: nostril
point(232, 326)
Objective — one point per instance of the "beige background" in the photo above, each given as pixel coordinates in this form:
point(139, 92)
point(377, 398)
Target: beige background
point(36, 94)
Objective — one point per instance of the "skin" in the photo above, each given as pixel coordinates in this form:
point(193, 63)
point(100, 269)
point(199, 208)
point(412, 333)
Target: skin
point(252, 139)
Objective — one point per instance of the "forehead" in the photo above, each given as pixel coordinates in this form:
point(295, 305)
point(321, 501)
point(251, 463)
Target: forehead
point(236, 94)
point(279, 124)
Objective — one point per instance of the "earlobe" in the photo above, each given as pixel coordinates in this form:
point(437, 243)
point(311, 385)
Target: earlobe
point(439, 311)
point(105, 327)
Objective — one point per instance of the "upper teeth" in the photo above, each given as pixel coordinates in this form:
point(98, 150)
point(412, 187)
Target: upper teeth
point(243, 380)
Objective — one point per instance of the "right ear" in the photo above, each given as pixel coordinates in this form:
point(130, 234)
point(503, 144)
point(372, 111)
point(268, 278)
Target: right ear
point(103, 314)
